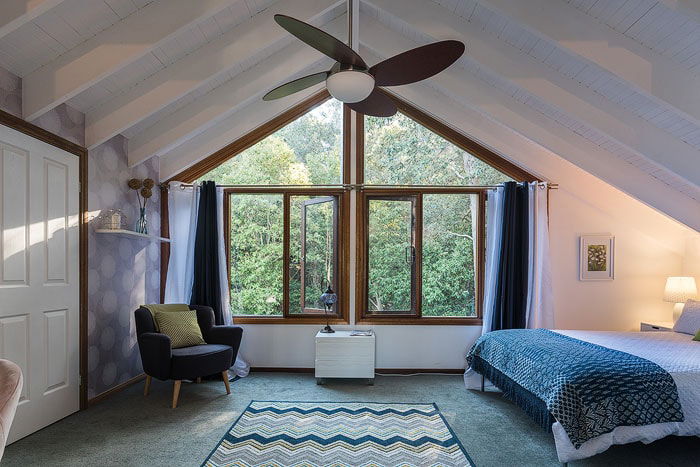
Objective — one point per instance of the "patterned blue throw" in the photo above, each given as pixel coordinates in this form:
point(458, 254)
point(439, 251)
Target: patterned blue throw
point(588, 388)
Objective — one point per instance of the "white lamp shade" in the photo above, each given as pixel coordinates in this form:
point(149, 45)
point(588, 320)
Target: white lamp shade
point(350, 86)
point(680, 289)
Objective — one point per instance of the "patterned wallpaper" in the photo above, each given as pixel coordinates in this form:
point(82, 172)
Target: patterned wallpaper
point(123, 273)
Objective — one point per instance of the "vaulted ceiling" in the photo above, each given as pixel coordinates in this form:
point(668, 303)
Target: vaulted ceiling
point(612, 86)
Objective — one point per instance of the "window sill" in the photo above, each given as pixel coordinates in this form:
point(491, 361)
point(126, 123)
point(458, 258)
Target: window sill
point(408, 321)
point(290, 320)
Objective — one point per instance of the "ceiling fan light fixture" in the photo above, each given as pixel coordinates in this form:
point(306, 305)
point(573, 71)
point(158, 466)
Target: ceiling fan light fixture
point(350, 86)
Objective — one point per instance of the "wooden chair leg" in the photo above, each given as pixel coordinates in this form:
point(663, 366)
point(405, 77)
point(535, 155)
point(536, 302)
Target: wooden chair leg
point(224, 374)
point(147, 387)
point(176, 392)
point(199, 379)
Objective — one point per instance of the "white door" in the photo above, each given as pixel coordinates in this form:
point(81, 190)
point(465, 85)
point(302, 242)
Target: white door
point(39, 277)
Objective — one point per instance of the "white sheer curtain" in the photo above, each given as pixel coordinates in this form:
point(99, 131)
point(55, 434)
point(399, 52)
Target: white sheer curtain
point(494, 227)
point(183, 203)
point(540, 303)
point(241, 367)
point(183, 206)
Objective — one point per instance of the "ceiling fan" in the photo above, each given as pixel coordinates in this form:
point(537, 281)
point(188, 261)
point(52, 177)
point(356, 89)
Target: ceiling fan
point(351, 81)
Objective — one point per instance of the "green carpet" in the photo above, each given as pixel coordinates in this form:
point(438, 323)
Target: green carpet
point(129, 429)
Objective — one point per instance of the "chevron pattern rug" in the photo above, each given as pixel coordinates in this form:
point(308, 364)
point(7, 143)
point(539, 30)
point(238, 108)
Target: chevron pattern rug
point(338, 434)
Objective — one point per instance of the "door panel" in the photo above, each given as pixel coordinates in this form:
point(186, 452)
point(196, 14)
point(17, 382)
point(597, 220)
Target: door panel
point(39, 282)
point(15, 216)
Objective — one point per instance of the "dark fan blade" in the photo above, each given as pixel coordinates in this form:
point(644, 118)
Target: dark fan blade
point(295, 86)
point(321, 41)
point(377, 104)
point(417, 64)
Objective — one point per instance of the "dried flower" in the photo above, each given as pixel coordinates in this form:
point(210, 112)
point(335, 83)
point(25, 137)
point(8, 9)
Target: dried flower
point(148, 183)
point(146, 192)
point(135, 184)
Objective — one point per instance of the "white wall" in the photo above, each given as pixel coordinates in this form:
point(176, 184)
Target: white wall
point(691, 261)
point(649, 247)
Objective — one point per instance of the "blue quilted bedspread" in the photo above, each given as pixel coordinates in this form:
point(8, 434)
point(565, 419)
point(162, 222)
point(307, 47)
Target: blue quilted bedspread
point(588, 388)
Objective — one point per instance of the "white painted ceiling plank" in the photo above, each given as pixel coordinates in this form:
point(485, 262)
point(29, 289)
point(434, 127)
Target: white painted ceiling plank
point(472, 94)
point(249, 86)
point(528, 74)
point(197, 68)
point(690, 8)
point(527, 152)
point(656, 75)
point(16, 13)
point(111, 50)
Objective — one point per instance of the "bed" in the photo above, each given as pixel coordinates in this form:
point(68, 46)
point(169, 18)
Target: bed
point(665, 364)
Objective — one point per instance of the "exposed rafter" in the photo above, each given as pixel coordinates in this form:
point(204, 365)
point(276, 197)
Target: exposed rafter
point(578, 102)
point(226, 53)
point(473, 93)
point(111, 50)
point(654, 74)
point(247, 87)
point(16, 13)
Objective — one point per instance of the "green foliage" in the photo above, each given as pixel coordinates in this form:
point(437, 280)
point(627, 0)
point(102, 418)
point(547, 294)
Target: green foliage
point(398, 151)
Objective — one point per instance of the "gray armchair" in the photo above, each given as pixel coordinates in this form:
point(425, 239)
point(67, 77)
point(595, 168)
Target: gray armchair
point(165, 363)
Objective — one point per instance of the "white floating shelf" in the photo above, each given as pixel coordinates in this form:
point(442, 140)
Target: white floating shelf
point(131, 233)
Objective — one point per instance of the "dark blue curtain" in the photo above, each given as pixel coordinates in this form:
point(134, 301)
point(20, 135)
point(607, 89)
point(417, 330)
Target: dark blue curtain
point(510, 304)
point(206, 288)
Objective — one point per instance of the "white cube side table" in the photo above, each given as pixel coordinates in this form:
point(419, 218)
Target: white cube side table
point(340, 355)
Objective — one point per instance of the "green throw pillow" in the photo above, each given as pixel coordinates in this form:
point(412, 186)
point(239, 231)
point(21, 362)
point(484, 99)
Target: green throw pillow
point(697, 336)
point(180, 327)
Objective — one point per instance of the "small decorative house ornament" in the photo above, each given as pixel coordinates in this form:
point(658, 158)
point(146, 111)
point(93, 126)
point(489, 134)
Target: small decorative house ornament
point(111, 219)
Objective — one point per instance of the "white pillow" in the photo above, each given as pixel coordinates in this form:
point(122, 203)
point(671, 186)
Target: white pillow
point(689, 321)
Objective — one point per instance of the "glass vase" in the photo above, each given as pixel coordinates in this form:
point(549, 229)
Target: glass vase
point(141, 223)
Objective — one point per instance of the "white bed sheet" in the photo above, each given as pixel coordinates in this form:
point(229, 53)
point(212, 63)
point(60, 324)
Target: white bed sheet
point(676, 353)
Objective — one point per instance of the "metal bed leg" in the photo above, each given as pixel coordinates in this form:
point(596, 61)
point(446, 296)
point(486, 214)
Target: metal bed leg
point(482, 383)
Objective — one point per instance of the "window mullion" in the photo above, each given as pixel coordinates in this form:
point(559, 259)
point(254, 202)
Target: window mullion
point(285, 254)
point(418, 256)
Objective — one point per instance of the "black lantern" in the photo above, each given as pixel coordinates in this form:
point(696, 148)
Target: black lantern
point(328, 298)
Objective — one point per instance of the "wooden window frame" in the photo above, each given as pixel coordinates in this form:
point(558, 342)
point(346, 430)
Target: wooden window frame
point(362, 315)
point(455, 137)
point(342, 253)
point(201, 168)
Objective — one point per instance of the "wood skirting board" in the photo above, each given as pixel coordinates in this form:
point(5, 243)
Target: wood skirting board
point(119, 387)
point(275, 369)
point(391, 371)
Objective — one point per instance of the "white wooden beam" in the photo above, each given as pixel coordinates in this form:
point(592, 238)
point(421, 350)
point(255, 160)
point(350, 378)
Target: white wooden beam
point(654, 74)
point(225, 132)
point(247, 87)
point(111, 50)
point(16, 13)
point(530, 75)
point(212, 60)
point(492, 104)
point(527, 152)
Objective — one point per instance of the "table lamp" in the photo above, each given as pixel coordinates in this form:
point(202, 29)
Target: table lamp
point(678, 290)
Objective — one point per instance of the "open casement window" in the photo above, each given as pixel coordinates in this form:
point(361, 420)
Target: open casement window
point(313, 262)
point(284, 251)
